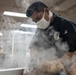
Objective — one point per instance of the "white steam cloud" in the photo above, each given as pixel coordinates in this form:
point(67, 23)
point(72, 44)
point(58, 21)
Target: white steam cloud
point(23, 4)
point(45, 52)
point(20, 48)
point(8, 23)
point(48, 47)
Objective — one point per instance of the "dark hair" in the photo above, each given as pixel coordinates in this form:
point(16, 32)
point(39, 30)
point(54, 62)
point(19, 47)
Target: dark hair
point(37, 6)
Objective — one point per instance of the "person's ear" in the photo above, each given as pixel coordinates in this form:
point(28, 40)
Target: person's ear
point(47, 10)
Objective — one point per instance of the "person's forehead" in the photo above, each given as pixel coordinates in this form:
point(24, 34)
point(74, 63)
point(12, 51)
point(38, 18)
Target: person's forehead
point(36, 14)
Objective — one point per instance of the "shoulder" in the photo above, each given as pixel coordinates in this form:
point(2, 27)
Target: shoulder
point(64, 20)
point(65, 23)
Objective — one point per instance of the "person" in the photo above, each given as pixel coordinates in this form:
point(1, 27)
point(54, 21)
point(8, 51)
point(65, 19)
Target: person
point(45, 20)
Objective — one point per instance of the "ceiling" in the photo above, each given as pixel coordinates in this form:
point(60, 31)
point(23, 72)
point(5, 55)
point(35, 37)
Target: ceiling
point(66, 8)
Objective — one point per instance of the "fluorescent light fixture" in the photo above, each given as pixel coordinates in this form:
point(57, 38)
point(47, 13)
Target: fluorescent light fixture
point(22, 32)
point(1, 34)
point(28, 26)
point(29, 33)
point(8, 13)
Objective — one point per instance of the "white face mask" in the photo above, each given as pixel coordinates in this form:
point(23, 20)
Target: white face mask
point(43, 24)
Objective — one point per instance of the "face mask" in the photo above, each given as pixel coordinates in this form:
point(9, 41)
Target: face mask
point(43, 24)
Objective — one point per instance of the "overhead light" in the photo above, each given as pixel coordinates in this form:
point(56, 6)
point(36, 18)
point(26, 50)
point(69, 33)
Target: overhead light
point(1, 34)
point(29, 33)
point(8, 13)
point(22, 32)
point(28, 26)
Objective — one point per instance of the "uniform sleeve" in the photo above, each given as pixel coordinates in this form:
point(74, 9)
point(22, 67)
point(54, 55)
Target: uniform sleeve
point(70, 34)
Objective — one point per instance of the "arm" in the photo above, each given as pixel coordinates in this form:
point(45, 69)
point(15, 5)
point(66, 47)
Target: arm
point(69, 36)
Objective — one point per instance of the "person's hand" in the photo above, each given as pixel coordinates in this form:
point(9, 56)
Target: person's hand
point(66, 60)
point(72, 69)
point(66, 57)
point(70, 54)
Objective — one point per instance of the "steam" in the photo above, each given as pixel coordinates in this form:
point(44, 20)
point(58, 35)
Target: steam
point(21, 53)
point(48, 46)
point(8, 23)
point(48, 49)
point(23, 4)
